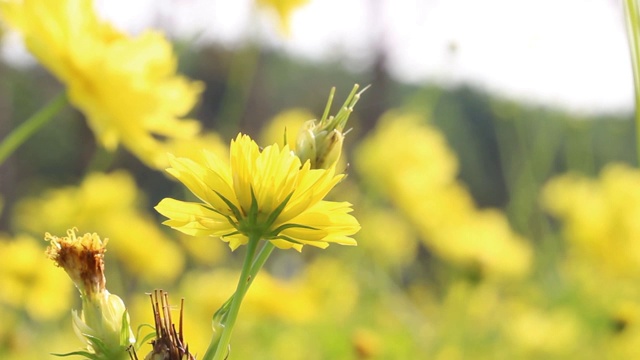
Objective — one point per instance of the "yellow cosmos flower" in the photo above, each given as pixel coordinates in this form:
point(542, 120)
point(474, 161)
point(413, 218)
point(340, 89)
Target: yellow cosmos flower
point(283, 9)
point(126, 87)
point(267, 193)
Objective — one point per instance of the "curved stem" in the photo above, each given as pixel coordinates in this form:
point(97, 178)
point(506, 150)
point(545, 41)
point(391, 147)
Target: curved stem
point(633, 31)
point(20, 134)
point(218, 349)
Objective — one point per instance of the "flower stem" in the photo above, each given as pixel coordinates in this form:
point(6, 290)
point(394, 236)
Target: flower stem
point(633, 32)
point(262, 257)
point(19, 135)
point(218, 348)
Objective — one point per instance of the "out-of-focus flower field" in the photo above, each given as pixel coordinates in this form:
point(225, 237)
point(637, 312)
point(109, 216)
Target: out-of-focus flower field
point(490, 229)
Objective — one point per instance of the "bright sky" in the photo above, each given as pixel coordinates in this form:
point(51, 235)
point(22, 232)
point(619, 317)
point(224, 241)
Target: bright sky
point(567, 53)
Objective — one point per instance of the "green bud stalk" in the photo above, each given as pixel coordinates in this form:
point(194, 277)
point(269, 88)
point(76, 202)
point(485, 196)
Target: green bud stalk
point(320, 142)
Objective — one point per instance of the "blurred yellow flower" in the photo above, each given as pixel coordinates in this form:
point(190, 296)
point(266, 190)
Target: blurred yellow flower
point(291, 120)
point(126, 87)
point(24, 284)
point(108, 204)
point(387, 237)
point(600, 217)
point(420, 178)
point(262, 192)
point(483, 240)
point(283, 9)
point(541, 332)
point(192, 148)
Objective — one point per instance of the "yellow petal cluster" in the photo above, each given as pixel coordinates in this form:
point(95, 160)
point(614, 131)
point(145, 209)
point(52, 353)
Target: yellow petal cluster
point(283, 9)
point(291, 120)
point(127, 87)
point(600, 217)
point(106, 204)
point(26, 285)
point(410, 162)
point(268, 192)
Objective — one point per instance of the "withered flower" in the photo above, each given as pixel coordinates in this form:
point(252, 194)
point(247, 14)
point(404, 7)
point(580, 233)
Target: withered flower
point(169, 343)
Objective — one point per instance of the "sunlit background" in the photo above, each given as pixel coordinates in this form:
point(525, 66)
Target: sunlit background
point(491, 164)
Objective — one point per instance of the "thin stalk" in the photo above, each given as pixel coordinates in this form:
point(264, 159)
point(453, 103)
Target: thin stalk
point(218, 348)
point(29, 127)
point(633, 31)
point(260, 260)
point(262, 257)
point(223, 312)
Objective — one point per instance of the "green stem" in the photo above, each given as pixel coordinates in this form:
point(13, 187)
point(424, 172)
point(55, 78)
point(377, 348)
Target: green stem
point(262, 257)
point(19, 135)
point(218, 348)
point(222, 313)
point(633, 30)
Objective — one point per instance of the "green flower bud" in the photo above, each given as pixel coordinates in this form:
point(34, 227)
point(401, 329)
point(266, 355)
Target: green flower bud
point(320, 142)
point(306, 143)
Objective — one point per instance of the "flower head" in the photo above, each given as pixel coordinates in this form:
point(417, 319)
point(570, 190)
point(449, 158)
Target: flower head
point(103, 323)
point(82, 258)
point(283, 9)
point(169, 343)
point(269, 193)
point(126, 87)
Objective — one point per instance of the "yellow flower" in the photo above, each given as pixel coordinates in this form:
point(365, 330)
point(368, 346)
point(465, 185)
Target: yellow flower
point(44, 295)
point(103, 203)
point(283, 9)
point(291, 120)
point(420, 177)
point(267, 193)
point(126, 87)
point(599, 217)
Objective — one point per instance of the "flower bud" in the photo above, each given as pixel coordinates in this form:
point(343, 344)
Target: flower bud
point(320, 142)
point(306, 143)
point(103, 323)
point(330, 149)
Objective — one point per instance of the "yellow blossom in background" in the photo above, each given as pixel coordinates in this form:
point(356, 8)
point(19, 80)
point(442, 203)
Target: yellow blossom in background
point(411, 163)
point(268, 192)
point(25, 282)
point(600, 217)
point(483, 239)
point(387, 237)
point(260, 304)
point(127, 87)
point(405, 152)
point(539, 333)
point(283, 10)
point(108, 204)
point(192, 148)
point(290, 120)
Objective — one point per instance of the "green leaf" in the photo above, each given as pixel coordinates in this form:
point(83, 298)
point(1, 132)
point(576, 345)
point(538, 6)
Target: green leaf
point(274, 215)
point(86, 354)
point(143, 340)
point(124, 330)
point(236, 212)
